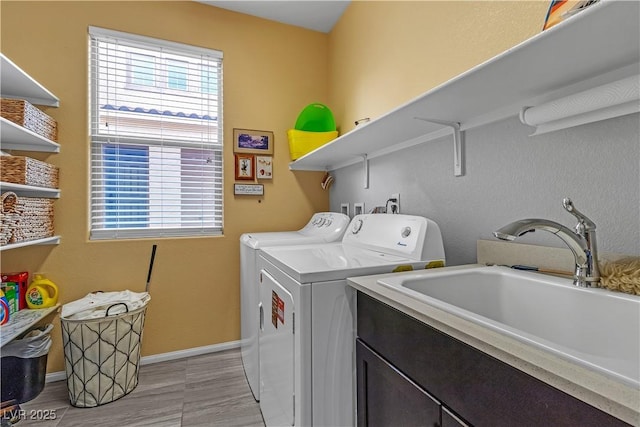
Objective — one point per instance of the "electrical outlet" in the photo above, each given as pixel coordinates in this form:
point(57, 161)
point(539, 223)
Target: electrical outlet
point(394, 207)
point(344, 208)
point(358, 208)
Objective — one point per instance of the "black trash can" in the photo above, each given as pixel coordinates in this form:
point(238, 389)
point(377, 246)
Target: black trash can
point(24, 365)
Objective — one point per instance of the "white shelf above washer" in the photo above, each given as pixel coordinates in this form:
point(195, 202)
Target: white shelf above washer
point(596, 46)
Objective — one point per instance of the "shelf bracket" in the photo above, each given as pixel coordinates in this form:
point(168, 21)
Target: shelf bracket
point(365, 170)
point(458, 144)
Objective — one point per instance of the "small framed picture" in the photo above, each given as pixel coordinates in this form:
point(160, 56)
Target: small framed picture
point(253, 141)
point(245, 167)
point(264, 167)
point(248, 189)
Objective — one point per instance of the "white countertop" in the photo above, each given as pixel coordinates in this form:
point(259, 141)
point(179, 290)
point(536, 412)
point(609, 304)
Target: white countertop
point(610, 396)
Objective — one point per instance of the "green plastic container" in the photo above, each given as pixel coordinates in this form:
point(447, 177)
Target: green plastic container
point(316, 118)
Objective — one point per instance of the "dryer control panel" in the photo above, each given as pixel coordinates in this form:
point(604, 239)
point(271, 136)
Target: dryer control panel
point(326, 223)
point(410, 236)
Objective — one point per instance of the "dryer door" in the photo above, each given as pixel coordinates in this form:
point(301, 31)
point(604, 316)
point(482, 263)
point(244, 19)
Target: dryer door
point(276, 352)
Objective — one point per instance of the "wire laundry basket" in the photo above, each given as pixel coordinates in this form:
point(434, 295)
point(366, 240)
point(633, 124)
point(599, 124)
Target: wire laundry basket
point(102, 356)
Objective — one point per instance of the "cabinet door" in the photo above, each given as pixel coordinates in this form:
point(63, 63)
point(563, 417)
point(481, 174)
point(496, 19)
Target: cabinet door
point(450, 420)
point(386, 397)
point(481, 389)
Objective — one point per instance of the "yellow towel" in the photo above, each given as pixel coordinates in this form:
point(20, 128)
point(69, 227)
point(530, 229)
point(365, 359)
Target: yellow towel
point(622, 275)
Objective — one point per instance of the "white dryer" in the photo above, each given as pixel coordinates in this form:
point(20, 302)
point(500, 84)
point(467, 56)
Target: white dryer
point(307, 312)
point(323, 227)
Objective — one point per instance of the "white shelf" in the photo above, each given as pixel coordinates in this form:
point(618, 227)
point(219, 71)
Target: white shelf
point(22, 321)
point(54, 240)
point(15, 137)
point(30, 190)
point(597, 46)
point(15, 83)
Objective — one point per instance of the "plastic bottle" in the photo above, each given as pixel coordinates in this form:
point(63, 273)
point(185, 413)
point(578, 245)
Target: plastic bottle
point(42, 293)
point(4, 309)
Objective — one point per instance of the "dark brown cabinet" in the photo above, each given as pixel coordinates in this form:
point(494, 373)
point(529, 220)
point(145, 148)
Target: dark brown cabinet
point(386, 397)
point(414, 374)
point(450, 420)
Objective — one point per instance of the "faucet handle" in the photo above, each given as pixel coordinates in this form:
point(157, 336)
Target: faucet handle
point(584, 223)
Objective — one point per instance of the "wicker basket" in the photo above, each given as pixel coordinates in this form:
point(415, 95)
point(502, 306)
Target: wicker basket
point(36, 218)
point(28, 171)
point(26, 115)
point(25, 218)
point(9, 218)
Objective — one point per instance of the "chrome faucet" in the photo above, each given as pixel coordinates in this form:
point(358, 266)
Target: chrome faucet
point(582, 241)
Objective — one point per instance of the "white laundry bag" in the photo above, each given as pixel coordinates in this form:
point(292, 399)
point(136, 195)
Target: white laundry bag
point(95, 304)
point(102, 336)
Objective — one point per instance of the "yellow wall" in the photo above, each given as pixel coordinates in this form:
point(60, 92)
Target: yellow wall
point(271, 71)
point(380, 55)
point(385, 53)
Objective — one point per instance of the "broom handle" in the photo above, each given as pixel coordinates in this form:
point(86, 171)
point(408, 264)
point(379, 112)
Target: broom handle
point(153, 257)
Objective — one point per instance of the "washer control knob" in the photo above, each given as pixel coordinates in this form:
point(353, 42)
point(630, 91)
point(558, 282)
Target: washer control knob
point(406, 231)
point(320, 222)
point(357, 225)
point(327, 222)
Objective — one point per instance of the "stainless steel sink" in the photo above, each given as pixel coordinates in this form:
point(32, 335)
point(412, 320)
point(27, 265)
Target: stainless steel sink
point(595, 328)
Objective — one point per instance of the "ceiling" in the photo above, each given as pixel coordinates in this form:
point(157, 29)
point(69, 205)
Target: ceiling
point(318, 15)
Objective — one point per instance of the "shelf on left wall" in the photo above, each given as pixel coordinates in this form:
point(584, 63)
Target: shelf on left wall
point(15, 137)
point(53, 240)
point(16, 83)
point(22, 321)
point(30, 190)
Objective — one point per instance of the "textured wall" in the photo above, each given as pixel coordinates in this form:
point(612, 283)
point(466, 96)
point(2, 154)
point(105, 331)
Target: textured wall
point(510, 176)
point(385, 53)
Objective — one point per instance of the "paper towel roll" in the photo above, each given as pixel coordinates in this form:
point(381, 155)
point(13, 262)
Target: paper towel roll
point(602, 102)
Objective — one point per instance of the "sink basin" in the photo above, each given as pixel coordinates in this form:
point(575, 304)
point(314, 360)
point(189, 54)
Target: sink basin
point(595, 328)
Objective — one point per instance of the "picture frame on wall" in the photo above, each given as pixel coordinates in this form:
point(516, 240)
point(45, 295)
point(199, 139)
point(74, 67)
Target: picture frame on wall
point(248, 189)
point(264, 167)
point(245, 167)
point(251, 141)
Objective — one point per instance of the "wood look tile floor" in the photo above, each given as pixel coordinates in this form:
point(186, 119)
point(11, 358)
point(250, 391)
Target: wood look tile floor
point(207, 390)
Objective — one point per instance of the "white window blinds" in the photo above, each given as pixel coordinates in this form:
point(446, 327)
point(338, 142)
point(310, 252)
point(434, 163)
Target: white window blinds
point(156, 137)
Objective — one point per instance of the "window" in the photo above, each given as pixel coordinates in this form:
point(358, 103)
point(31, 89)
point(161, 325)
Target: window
point(143, 70)
point(156, 137)
point(177, 75)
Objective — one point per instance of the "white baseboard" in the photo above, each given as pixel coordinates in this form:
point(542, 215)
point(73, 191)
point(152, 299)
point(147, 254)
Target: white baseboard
point(55, 376)
point(190, 352)
point(163, 357)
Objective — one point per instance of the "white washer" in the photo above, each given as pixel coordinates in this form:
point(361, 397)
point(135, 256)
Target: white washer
point(307, 312)
point(322, 227)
